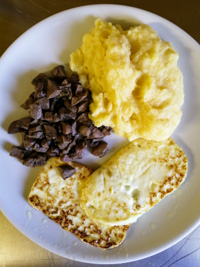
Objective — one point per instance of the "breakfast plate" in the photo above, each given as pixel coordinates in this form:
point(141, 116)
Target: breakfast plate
point(50, 43)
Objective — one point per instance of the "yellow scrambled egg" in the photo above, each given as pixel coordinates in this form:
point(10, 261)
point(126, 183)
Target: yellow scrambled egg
point(136, 86)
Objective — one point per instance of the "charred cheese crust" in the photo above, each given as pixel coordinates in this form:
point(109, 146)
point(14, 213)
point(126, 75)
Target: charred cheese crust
point(59, 200)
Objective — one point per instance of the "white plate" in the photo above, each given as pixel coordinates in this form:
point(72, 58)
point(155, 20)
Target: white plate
point(42, 47)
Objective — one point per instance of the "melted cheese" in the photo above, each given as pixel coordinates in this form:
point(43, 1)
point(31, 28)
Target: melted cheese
point(133, 181)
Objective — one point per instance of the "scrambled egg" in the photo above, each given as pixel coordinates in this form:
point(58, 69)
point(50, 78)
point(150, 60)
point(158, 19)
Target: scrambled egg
point(136, 86)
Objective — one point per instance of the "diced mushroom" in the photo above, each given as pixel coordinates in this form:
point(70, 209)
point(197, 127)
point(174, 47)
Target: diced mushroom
point(83, 106)
point(34, 122)
point(35, 111)
point(40, 93)
point(40, 81)
point(58, 124)
point(17, 152)
point(74, 130)
point(66, 91)
point(105, 130)
point(59, 71)
point(53, 102)
point(79, 89)
point(48, 116)
point(64, 141)
point(93, 143)
point(39, 148)
point(37, 128)
point(28, 143)
point(29, 101)
point(80, 147)
point(45, 144)
point(66, 114)
point(84, 130)
point(35, 160)
point(66, 158)
point(35, 135)
point(69, 106)
point(24, 123)
point(44, 103)
point(41, 160)
point(56, 117)
point(53, 152)
point(66, 128)
point(73, 78)
point(30, 161)
point(101, 149)
point(65, 82)
point(70, 146)
point(13, 127)
point(19, 125)
point(96, 133)
point(77, 99)
point(83, 118)
point(52, 89)
point(66, 171)
point(50, 132)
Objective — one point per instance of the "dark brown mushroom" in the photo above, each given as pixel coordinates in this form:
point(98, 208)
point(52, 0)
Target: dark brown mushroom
point(77, 99)
point(35, 111)
point(44, 103)
point(66, 171)
point(84, 130)
point(28, 143)
point(79, 89)
point(58, 124)
point(13, 127)
point(48, 116)
point(17, 152)
point(66, 128)
point(35, 159)
point(96, 133)
point(69, 106)
point(37, 128)
point(29, 101)
point(59, 72)
point(52, 89)
point(50, 132)
point(83, 106)
point(80, 148)
point(101, 149)
point(36, 135)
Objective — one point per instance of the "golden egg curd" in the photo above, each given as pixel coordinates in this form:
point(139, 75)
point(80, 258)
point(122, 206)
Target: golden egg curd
point(136, 85)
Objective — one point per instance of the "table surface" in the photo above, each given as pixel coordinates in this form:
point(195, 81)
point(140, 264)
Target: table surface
point(16, 16)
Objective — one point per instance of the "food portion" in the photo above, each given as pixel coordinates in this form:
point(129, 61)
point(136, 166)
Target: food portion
point(136, 86)
point(58, 125)
point(59, 199)
point(133, 181)
point(127, 81)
